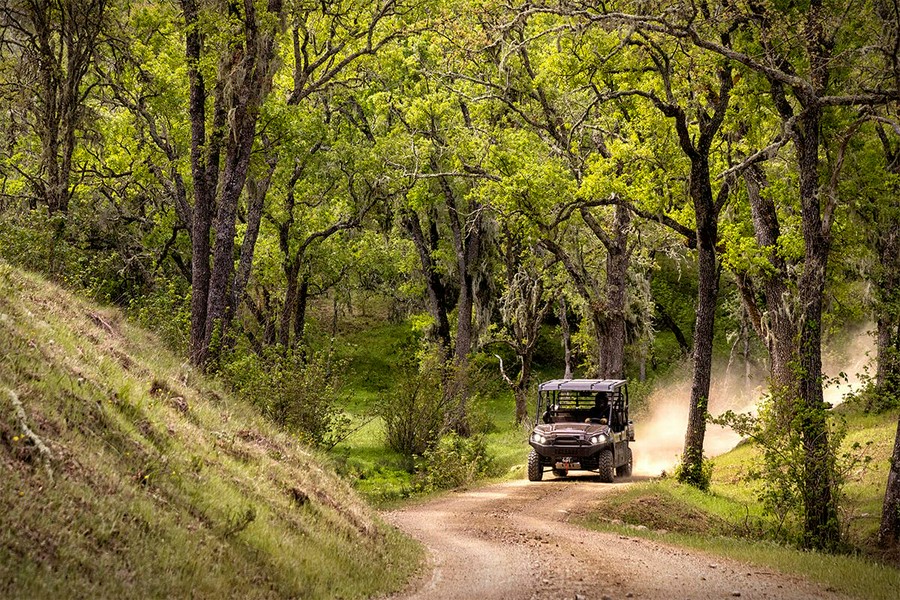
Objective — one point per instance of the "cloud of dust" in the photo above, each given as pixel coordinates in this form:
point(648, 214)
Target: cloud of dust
point(660, 427)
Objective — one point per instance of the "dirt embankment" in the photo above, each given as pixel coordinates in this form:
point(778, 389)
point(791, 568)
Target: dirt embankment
point(515, 541)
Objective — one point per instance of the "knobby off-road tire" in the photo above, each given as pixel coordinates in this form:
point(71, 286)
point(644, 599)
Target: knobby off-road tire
point(625, 470)
point(606, 466)
point(535, 470)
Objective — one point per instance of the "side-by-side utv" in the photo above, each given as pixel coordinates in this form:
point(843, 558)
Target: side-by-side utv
point(582, 424)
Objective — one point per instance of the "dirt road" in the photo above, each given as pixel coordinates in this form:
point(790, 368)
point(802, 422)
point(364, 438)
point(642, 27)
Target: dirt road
point(514, 541)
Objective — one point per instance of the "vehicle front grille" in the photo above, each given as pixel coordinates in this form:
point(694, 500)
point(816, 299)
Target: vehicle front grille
point(567, 440)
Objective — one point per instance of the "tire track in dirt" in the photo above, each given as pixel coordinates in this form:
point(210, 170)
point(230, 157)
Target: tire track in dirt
point(514, 541)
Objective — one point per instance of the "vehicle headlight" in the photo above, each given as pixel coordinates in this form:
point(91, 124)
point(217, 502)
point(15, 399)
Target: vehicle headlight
point(538, 438)
point(598, 439)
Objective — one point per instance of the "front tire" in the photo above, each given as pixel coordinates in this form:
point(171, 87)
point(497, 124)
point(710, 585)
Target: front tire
point(606, 466)
point(535, 470)
point(625, 470)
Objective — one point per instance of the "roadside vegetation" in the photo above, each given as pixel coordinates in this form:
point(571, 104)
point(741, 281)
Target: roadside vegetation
point(731, 519)
point(375, 226)
point(139, 477)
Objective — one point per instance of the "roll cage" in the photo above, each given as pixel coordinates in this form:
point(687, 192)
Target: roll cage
point(580, 400)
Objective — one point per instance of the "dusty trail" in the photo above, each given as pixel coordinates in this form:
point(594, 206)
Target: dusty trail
point(514, 541)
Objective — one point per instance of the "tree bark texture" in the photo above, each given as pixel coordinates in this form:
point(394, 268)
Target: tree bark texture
point(436, 290)
point(776, 326)
point(56, 39)
point(821, 528)
point(258, 189)
point(704, 328)
point(887, 245)
point(467, 237)
point(243, 82)
point(706, 212)
point(889, 530)
point(566, 336)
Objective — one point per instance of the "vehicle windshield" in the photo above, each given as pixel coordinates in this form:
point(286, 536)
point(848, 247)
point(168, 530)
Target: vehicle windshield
point(568, 406)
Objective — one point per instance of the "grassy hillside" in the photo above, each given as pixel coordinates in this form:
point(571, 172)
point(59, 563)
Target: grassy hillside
point(152, 482)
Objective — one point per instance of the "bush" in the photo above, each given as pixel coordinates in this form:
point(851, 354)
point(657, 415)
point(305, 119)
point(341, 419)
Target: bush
point(431, 399)
point(166, 310)
point(783, 470)
point(699, 478)
point(415, 413)
point(298, 391)
point(452, 462)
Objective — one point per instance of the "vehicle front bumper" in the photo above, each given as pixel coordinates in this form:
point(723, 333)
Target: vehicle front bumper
point(580, 450)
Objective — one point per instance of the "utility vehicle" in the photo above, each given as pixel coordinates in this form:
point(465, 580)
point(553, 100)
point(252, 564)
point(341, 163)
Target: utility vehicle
point(582, 424)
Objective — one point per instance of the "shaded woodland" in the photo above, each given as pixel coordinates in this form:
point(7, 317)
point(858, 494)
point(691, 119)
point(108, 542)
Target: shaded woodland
point(645, 184)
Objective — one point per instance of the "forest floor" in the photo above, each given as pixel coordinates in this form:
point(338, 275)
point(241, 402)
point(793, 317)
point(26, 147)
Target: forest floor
point(522, 540)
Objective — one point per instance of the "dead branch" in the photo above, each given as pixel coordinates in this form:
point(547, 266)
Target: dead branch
point(22, 420)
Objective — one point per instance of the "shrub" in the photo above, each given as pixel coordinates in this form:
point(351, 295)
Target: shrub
point(298, 391)
point(700, 476)
point(452, 462)
point(431, 399)
point(782, 472)
point(166, 310)
point(415, 413)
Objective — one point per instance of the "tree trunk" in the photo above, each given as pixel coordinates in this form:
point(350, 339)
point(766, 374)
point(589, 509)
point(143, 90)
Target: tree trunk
point(889, 531)
point(435, 289)
point(520, 391)
point(201, 215)
point(612, 348)
point(244, 79)
point(566, 337)
point(704, 328)
point(706, 212)
point(821, 529)
point(291, 275)
point(251, 71)
point(300, 310)
point(467, 248)
point(779, 332)
point(256, 200)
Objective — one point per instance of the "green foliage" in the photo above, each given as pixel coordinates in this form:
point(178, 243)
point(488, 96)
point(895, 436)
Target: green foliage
point(698, 474)
point(166, 310)
point(454, 461)
point(874, 398)
point(298, 390)
point(783, 474)
point(415, 413)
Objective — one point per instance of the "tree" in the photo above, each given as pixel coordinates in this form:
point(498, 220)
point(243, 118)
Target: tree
point(880, 212)
point(220, 154)
point(55, 42)
point(709, 112)
point(523, 306)
point(817, 71)
point(557, 108)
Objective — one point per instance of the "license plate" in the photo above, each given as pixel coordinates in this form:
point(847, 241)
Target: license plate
point(568, 465)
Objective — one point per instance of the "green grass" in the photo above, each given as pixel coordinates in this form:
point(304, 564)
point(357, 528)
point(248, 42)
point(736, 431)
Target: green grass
point(729, 521)
point(162, 484)
point(851, 575)
point(373, 351)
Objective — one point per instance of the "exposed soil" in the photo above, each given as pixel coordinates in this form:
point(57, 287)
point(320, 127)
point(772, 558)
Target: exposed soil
point(515, 541)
